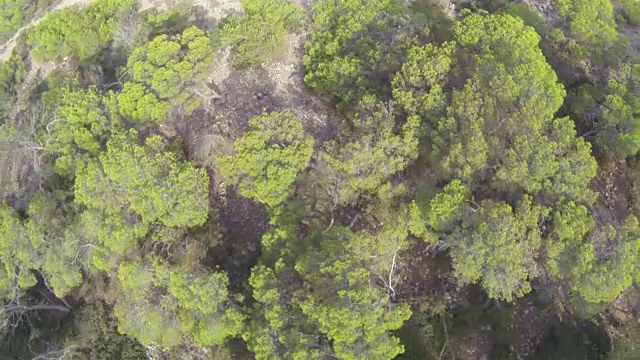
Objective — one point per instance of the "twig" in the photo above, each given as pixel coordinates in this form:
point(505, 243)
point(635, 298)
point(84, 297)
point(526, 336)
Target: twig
point(355, 219)
point(38, 307)
point(446, 334)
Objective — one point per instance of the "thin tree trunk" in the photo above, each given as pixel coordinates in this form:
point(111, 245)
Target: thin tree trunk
point(38, 307)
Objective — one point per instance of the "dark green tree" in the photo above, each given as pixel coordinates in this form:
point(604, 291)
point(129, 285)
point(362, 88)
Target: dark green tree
point(590, 35)
point(507, 138)
point(278, 328)
point(166, 74)
point(368, 154)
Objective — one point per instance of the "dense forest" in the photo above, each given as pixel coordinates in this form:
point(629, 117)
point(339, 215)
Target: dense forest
point(320, 179)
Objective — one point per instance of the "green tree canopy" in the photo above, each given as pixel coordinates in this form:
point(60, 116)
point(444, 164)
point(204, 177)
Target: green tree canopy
point(79, 130)
point(132, 186)
point(78, 32)
point(631, 10)
point(368, 153)
point(268, 158)
point(620, 131)
point(507, 137)
point(498, 245)
point(48, 242)
point(591, 33)
point(278, 329)
point(339, 294)
point(166, 73)
point(15, 13)
point(443, 212)
point(166, 305)
point(356, 46)
point(598, 262)
point(418, 88)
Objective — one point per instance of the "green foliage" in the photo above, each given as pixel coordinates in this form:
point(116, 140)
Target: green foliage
point(47, 242)
point(278, 329)
point(598, 262)
point(366, 158)
point(13, 234)
point(571, 222)
point(268, 158)
point(508, 58)
point(621, 112)
point(444, 210)
point(193, 306)
point(509, 135)
point(80, 130)
point(356, 46)
point(497, 246)
point(454, 140)
point(164, 75)
point(12, 72)
point(631, 10)
point(418, 86)
point(77, 32)
point(132, 186)
point(16, 13)
point(261, 31)
point(340, 296)
point(591, 33)
point(602, 264)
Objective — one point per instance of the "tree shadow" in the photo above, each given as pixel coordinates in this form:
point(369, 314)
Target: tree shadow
point(243, 223)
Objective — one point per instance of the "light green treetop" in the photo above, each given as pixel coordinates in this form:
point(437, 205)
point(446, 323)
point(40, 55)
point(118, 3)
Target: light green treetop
point(597, 262)
point(621, 112)
point(278, 329)
point(268, 158)
point(592, 30)
point(80, 130)
point(442, 212)
point(47, 241)
point(418, 86)
point(507, 137)
point(165, 74)
point(356, 46)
